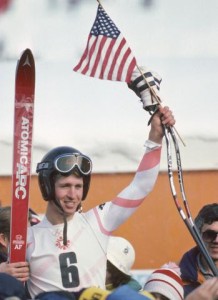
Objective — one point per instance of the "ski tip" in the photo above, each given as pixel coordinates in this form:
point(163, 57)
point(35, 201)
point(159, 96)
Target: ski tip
point(26, 58)
point(26, 52)
point(25, 74)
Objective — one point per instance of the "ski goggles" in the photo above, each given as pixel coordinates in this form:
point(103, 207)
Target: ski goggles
point(67, 162)
point(209, 235)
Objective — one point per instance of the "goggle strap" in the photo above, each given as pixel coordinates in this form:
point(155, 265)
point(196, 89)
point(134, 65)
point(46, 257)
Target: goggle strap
point(42, 166)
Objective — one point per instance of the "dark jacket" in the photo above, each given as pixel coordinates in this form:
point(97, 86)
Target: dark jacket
point(191, 275)
point(3, 257)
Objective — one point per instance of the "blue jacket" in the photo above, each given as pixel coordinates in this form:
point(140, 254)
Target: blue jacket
point(191, 275)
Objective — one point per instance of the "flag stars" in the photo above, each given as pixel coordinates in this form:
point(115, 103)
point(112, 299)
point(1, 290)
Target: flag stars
point(103, 25)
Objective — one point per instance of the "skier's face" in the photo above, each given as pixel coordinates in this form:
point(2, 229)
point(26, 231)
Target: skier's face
point(69, 191)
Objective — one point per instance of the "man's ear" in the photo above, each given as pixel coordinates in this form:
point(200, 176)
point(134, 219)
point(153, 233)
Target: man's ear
point(3, 240)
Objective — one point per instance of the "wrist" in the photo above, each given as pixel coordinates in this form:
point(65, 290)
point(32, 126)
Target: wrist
point(151, 145)
point(155, 137)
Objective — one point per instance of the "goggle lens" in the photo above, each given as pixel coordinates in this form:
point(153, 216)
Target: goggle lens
point(66, 163)
point(209, 235)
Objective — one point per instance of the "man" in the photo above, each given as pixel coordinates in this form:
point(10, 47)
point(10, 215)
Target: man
point(67, 250)
point(193, 266)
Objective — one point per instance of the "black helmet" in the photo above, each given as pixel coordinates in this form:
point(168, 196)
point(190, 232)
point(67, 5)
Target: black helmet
point(62, 160)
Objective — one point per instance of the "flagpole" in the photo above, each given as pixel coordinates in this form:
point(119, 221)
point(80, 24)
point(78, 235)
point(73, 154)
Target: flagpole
point(99, 2)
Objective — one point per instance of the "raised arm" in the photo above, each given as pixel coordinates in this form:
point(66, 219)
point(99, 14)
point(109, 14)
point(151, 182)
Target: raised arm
point(114, 213)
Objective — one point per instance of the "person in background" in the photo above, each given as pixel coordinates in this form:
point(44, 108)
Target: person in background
point(67, 249)
point(11, 288)
point(19, 270)
point(165, 283)
point(120, 259)
point(194, 269)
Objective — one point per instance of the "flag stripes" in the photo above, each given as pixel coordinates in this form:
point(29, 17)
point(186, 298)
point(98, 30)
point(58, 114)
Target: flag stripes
point(107, 55)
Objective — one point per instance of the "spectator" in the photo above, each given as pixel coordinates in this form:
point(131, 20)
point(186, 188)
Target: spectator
point(19, 270)
point(194, 269)
point(11, 287)
point(120, 259)
point(165, 284)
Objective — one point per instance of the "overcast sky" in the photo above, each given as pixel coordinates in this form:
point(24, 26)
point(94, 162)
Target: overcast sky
point(104, 119)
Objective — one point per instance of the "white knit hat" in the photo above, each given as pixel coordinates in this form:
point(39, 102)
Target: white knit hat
point(121, 254)
point(167, 282)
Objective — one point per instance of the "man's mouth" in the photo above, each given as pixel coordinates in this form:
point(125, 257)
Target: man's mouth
point(69, 204)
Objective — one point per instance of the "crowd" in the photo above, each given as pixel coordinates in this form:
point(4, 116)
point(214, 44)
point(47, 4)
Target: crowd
point(73, 254)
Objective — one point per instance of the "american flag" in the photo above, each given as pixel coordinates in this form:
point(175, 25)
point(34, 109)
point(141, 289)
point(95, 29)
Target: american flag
point(107, 55)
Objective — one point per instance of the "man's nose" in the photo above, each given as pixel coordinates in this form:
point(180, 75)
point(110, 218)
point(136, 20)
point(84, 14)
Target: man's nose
point(216, 239)
point(71, 192)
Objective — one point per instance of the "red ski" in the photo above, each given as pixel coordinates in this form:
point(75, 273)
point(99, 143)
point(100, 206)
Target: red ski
point(22, 152)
